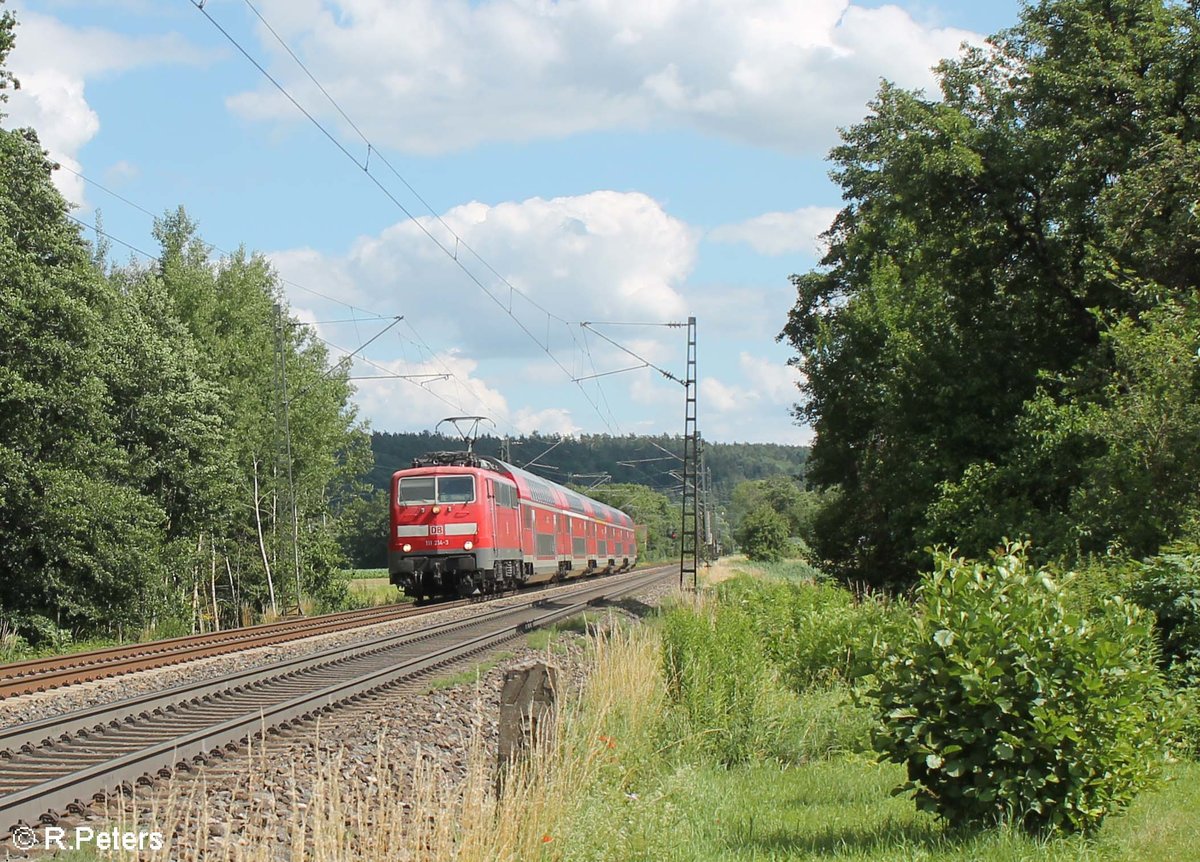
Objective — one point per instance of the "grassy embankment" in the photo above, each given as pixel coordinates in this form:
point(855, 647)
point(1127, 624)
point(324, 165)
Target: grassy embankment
point(819, 794)
point(691, 741)
point(746, 770)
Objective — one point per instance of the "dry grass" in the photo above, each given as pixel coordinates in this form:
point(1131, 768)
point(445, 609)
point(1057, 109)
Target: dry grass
point(724, 569)
point(403, 807)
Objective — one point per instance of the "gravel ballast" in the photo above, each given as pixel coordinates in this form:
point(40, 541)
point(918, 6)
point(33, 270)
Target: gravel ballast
point(60, 701)
point(250, 800)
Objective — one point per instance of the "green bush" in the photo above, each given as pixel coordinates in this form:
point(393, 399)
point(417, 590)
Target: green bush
point(815, 634)
point(1168, 586)
point(34, 631)
point(763, 535)
point(1006, 706)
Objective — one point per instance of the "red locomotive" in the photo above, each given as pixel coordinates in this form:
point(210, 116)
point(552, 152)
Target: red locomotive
point(464, 524)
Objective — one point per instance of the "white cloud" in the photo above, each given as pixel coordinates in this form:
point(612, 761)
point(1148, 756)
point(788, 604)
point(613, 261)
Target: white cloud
point(721, 397)
point(439, 75)
point(755, 407)
point(121, 172)
point(446, 317)
point(777, 233)
point(552, 420)
point(765, 382)
point(392, 402)
point(598, 256)
point(576, 255)
point(771, 380)
point(53, 62)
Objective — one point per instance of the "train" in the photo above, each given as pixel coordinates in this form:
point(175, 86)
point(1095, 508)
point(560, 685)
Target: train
point(464, 524)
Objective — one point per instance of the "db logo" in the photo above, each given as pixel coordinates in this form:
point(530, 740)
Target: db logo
point(437, 530)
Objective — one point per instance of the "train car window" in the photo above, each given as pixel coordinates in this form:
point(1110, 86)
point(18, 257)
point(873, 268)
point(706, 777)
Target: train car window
point(416, 489)
point(541, 492)
point(455, 489)
point(575, 502)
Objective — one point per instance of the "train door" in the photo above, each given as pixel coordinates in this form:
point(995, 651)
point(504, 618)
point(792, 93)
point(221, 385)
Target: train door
point(508, 528)
point(494, 516)
point(529, 533)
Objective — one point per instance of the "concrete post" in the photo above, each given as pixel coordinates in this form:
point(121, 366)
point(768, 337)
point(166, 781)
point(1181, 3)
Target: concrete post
point(526, 708)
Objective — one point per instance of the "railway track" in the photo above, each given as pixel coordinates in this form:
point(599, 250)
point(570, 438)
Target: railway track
point(43, 674)
point(53, 768)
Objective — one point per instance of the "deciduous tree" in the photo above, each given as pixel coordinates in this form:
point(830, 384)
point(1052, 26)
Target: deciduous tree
point(988, 240)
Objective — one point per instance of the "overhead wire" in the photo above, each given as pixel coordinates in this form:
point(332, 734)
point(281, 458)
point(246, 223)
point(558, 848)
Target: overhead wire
point(153, 258)
point(217, 248)
point(448, 373)
point(365, 167)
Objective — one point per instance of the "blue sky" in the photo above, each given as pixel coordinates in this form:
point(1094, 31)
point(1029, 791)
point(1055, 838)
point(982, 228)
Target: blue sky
point(616, 160)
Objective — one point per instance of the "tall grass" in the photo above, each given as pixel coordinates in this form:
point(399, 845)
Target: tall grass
point(815, 634)
point(403, 807)
point(725, 699)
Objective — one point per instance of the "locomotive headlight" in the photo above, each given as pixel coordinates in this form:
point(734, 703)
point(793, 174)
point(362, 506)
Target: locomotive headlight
point(468, 546)
point(436, 509)
point(406, 548)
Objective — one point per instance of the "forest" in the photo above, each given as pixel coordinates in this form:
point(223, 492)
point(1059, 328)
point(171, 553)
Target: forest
point(146, 485)
point(589, 458)
point(1002, 341)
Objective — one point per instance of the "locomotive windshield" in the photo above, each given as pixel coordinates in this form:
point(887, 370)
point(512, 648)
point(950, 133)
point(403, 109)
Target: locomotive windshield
point(418, 489)
point(443, 489)
point(455, 489)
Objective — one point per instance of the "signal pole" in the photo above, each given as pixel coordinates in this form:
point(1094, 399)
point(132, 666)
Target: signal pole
point(689, 545)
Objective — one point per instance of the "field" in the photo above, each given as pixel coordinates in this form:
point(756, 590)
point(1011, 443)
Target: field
point(369, 587)
point(841, 808)
point(805, 785)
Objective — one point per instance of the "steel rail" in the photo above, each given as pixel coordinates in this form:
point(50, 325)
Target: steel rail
point(47, 673)
point(42, 674)
point(152, 734)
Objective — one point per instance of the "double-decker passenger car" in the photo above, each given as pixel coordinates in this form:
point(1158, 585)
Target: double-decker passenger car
point(464, 524)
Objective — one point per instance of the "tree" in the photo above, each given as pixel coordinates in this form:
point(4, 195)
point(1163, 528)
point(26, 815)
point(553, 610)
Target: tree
point(981, 235)
point(80, 545)
point(365, 522)
point(8, 25)
point(1116, 468)
point(236, 315)
point(797, 506)
point(763, 535)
